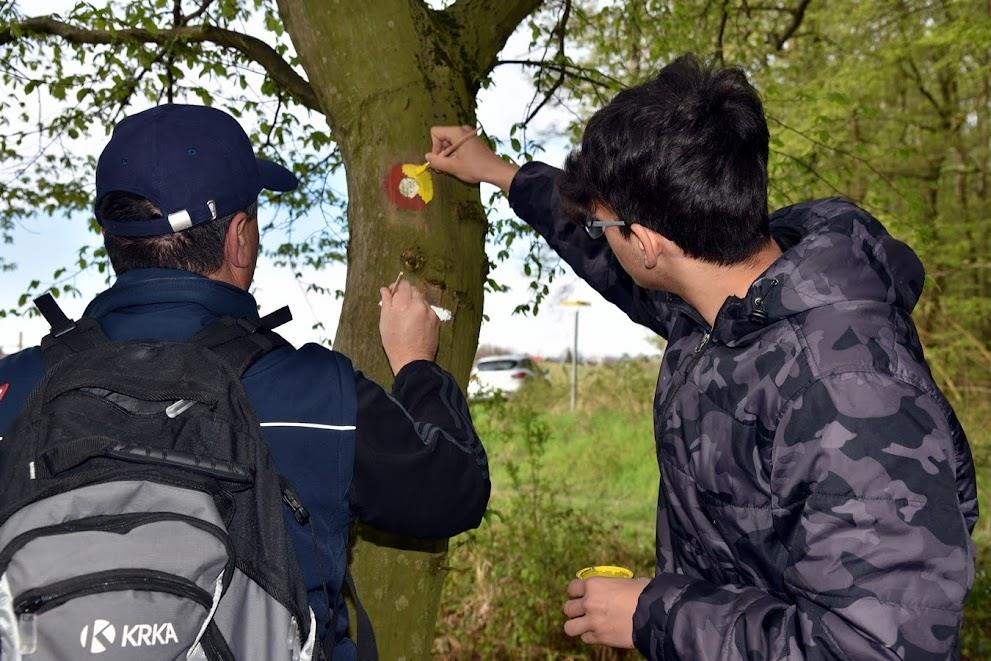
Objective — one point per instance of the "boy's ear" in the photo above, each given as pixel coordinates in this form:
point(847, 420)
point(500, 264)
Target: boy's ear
point(651, 244)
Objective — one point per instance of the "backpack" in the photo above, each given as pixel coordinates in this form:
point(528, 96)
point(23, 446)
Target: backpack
point(140, 514)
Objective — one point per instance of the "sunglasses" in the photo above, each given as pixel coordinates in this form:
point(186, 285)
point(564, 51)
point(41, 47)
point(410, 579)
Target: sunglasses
point(596, 228)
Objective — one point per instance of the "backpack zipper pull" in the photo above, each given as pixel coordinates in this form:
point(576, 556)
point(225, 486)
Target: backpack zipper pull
point(179, 407)
point(27, 626)
point(290, 498)
point(294, 640)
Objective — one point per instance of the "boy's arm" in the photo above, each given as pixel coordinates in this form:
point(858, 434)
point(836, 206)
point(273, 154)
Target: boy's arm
point(534, 198)
point(533, 195)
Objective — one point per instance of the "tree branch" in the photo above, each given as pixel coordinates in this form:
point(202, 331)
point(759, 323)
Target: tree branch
point(486, 25)
point(560, 34)
point(177, 20)
point(199, 12)
point(797, 15)
point(838, 150)
point(723, 18)
point(251, 47)
point(916, 77)
point(575, 71)
point(132, 85)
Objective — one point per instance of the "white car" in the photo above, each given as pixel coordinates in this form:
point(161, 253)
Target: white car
point(504, 374)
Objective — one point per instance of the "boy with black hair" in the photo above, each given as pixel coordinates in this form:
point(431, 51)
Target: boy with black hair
point(818, 492)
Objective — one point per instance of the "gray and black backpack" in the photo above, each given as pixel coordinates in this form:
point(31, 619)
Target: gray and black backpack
point(140, 514)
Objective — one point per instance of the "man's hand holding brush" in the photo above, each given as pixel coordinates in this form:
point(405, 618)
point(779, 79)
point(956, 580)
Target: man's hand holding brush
point(409, 327)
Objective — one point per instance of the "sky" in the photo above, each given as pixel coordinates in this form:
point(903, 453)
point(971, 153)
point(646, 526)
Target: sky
point(43, 244)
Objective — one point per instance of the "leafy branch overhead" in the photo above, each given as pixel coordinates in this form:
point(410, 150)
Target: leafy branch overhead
point(485, 25)
point(74, 75)
point(886, 102)
point(252, 48)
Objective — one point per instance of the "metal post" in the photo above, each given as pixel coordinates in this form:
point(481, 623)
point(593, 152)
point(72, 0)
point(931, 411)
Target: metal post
point(577, 305)
point(574, 365)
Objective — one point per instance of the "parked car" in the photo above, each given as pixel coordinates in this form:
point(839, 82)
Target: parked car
point(505, 374)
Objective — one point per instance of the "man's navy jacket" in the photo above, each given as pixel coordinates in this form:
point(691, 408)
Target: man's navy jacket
point(408, 463)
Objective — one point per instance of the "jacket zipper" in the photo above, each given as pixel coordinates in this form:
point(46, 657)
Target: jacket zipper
point(675, 388)
point(54, 595)
point(662, 414)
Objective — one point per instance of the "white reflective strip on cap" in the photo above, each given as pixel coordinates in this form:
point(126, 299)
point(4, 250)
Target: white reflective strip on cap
point(180, 221)
point(309, 425)
point(212, 206)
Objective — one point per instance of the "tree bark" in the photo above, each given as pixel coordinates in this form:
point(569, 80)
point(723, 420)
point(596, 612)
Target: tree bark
point(384, 74)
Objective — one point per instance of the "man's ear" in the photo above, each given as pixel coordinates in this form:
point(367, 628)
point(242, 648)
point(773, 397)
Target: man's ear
point(651, 244)
point(236, 244)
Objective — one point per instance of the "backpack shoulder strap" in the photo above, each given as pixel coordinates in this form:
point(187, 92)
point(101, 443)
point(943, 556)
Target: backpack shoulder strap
point(367, 647)
point(66, 336)
point(240, 341)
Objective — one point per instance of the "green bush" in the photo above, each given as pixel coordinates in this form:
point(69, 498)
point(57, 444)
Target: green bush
point(977, 616)
point(976, 644)
point(507, 580)
point(571, 489)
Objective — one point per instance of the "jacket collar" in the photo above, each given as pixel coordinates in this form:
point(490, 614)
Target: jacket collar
point(833, 252)
point(140, 287)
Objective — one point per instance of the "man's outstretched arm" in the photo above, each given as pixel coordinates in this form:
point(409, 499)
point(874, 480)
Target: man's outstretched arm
point(532, 192)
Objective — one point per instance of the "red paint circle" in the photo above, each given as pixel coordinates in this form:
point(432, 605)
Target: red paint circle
point(392, 179)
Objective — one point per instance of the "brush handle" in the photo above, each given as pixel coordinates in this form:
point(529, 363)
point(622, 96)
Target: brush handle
point(447, 152)
point(457, 143)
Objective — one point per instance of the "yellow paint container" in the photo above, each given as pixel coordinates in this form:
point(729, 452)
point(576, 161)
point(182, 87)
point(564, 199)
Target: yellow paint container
point(604, 571)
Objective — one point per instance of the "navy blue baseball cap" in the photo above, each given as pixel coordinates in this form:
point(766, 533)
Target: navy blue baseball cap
point(195, 163)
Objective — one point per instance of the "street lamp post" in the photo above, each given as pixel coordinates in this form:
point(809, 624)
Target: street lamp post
point(577, 305)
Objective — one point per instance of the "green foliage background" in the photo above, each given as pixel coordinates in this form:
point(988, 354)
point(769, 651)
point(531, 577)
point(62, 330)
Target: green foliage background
point(887, 102)
point(572, 489)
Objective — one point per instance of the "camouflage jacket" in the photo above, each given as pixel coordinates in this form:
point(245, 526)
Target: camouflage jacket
point(818, 492)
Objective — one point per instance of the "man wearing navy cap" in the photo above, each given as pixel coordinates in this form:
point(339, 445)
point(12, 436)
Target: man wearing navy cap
point(176, 195)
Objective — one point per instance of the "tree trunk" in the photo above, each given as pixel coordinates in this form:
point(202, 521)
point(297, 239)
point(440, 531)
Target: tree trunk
point(385, 76)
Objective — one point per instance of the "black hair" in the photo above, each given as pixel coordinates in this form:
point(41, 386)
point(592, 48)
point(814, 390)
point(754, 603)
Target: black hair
point(684, 154)
point(199, 249)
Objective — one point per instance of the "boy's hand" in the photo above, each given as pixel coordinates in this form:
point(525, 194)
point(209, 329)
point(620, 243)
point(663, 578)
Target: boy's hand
point(409, 327)
point(472, 162)
point(600, 610)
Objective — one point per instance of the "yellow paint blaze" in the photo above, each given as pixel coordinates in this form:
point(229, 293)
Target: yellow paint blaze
point(422, 178)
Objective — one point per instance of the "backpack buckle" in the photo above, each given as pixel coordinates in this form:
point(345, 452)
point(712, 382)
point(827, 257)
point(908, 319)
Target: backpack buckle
point(247, 324)
point(58, 322)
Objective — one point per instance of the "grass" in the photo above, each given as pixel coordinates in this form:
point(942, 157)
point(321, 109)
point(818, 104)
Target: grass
point(572, 489)
point(977, 614)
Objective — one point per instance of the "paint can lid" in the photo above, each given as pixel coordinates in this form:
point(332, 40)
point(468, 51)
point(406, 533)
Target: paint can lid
point(604, 571)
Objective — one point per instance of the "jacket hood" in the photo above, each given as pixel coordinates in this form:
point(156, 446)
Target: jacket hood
point(833, 252)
